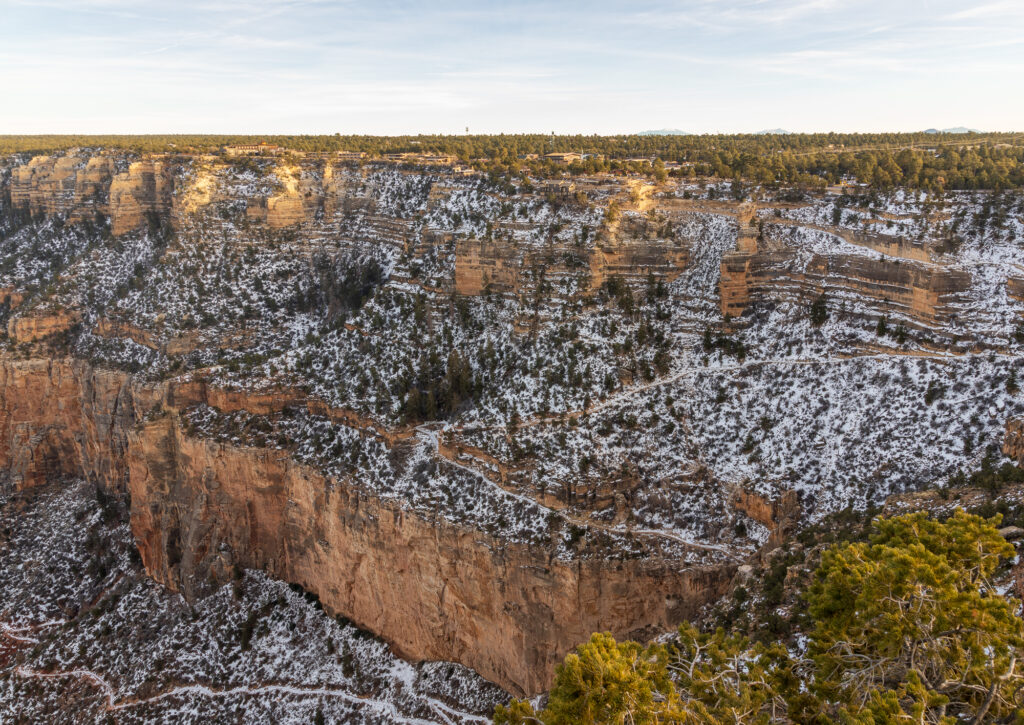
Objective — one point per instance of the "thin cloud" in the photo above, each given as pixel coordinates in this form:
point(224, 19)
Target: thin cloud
point(314, 65)
point(991, 11)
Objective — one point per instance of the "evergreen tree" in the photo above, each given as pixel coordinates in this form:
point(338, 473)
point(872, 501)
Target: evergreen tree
point(907, 628)
point(819, 310)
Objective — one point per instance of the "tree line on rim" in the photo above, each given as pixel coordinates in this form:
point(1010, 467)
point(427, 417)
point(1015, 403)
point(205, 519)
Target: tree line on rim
point(934, 162)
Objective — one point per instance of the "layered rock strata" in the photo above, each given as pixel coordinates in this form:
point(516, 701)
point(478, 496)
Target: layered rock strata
point(142, 193)
point(433, 588)
point(925, 294)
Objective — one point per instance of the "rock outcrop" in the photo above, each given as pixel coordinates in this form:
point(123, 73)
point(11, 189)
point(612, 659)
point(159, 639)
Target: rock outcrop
point(499, 267)
point(779, 515)
point(485, 266)
point(92, 188)
point(664, 260)
point(432, 588)
point(146, 189)
point(11, 297)
point(40, 325)
point(77, 186)
point(922, 293)
point(62, 416)
point(300, 197)
point(46, 184)
point(1013, 440)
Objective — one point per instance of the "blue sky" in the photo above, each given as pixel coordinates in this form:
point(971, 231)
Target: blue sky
point(388, 67)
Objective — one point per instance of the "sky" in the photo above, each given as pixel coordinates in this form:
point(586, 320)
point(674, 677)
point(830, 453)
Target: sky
point(394, 67)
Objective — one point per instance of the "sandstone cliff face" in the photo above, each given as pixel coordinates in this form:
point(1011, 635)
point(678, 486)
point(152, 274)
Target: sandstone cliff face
point(300, 198)
point(285, 210)
point(924, 293)
point(146, 188)
point(45, 184)
point(180, 344)
point(886, 244)
point(37, 325)
point(81, 186)
point(780, 515)
point(1013, 440)
point(482, 265)
point(73, 185)
point(433, 589)
point(61, 416)
point(11, 297)
point(637, 260)
point(195, 191)
point(1015, 288)
point(106, 327)
point(92, 188)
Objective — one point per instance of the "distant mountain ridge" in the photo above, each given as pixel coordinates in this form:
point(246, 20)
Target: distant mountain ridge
point(665, 132)
point(955, 129)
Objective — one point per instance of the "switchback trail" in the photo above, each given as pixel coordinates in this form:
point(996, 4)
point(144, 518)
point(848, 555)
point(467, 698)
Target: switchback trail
point(431, 436)
point(382, 707)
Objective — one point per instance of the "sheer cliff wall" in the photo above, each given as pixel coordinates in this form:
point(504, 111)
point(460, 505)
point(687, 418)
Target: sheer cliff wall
point(432, 588)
